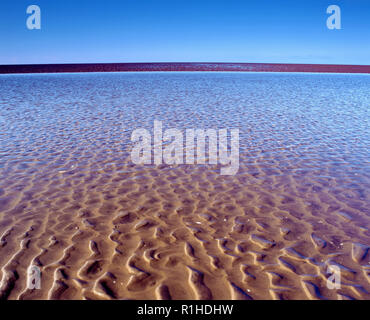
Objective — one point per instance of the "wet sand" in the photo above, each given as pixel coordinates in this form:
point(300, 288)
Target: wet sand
point(100, 227)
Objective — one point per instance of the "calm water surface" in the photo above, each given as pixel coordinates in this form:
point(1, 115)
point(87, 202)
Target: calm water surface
point(304, 144)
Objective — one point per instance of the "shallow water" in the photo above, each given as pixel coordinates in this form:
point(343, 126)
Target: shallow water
point(98, 226)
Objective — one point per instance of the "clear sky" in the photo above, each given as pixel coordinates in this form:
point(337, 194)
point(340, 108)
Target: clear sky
point(87, 31)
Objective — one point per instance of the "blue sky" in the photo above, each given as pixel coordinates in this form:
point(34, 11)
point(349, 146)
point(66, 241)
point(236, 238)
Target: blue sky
point(87, 31)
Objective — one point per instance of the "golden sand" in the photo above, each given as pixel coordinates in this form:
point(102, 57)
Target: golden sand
point(179, 232)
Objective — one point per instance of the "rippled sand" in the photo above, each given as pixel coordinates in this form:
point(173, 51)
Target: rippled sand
point(100, 227)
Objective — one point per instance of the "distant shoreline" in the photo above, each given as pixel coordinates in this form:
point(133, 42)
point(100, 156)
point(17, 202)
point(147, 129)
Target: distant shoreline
point(182, 66)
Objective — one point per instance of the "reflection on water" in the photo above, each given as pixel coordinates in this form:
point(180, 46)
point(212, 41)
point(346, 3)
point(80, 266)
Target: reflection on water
point(299, 202)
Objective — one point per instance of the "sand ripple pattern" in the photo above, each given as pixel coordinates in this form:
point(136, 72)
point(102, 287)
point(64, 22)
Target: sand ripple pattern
point(99, 227)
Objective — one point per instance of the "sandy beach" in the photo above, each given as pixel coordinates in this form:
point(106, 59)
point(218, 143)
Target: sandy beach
point(100, 227)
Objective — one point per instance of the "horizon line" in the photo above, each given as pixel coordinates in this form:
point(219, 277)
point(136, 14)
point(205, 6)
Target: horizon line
point(181, 66)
